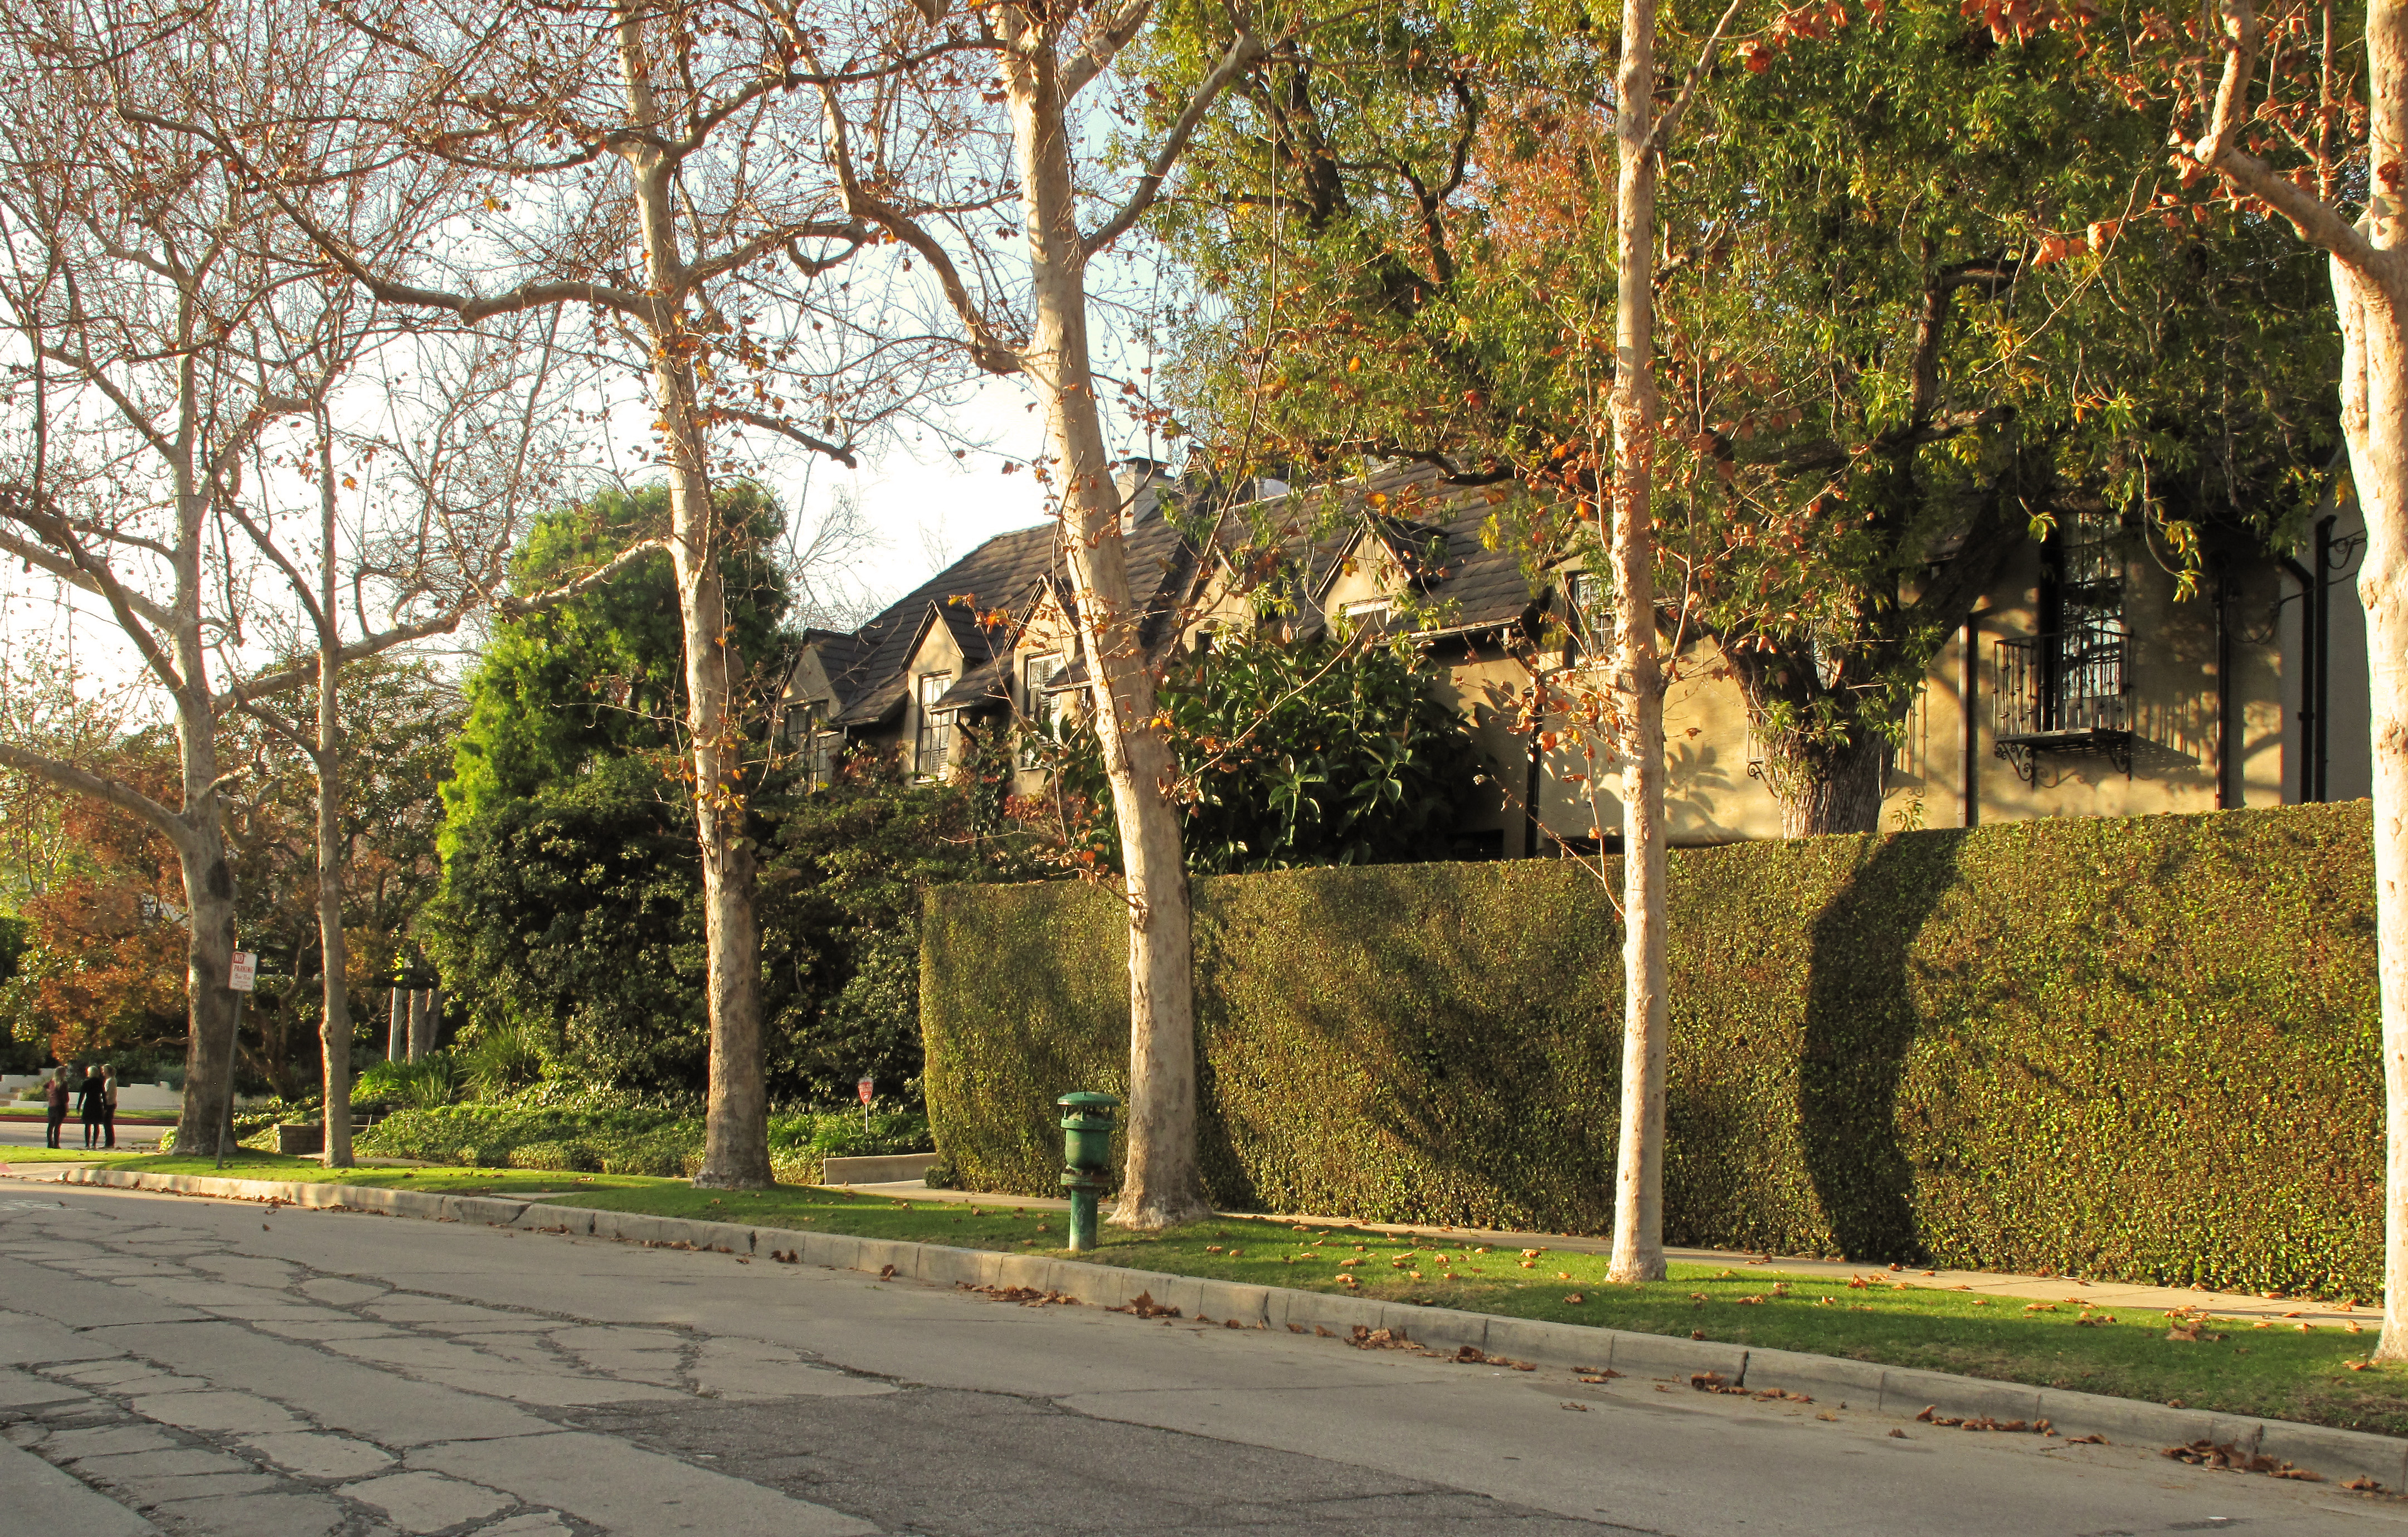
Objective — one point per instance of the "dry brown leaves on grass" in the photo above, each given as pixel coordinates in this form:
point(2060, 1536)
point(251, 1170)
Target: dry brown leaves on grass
point(2230, 1458)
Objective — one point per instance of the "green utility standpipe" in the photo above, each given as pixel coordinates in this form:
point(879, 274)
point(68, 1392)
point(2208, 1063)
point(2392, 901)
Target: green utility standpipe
point(1086, 1159)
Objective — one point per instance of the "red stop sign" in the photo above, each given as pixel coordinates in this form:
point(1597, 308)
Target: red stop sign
point(865, 1086)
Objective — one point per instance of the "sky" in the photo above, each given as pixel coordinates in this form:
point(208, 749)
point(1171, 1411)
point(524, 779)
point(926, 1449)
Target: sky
point(924, 507)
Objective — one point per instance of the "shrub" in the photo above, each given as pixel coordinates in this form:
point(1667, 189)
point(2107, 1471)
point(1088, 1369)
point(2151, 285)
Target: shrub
point(664, 1141)
point(501, 1060)
point(2146, 1049)
point(573, 1157)
point(423, 1085)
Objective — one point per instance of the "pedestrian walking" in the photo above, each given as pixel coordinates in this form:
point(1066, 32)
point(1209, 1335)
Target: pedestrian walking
point(54, 1095)
point(91, 1101)
point(109, 1104)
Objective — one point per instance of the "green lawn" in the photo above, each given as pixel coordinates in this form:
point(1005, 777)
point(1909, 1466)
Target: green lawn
point(2277, 1371)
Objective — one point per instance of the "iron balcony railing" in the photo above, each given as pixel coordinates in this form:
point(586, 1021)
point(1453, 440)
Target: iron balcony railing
point(2064, 686)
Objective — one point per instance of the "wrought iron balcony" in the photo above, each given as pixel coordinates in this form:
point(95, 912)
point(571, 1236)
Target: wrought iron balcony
point(2066, 692)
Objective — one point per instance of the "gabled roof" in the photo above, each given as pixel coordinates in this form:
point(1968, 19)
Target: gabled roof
point(1432, 530)
point(870, 669)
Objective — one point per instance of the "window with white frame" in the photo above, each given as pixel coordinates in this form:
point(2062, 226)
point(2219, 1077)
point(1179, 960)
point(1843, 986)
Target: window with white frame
point(1040, 711)
point(819, 745)
point(935, 725)
point(1368, 611)
point(1584, 615)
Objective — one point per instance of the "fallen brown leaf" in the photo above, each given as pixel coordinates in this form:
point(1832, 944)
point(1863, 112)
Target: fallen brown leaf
point(1144, 1306)
point(2209, 1453)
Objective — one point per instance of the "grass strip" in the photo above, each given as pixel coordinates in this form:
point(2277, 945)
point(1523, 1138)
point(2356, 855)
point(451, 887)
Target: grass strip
point(2277, 1369)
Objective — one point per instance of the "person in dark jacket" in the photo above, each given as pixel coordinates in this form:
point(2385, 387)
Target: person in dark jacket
point(54, 1095)
point(92, 1102)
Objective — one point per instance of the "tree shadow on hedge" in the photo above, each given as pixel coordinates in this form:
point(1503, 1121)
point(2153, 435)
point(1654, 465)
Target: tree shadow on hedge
point(1406, 1043)
point(1861, 1022)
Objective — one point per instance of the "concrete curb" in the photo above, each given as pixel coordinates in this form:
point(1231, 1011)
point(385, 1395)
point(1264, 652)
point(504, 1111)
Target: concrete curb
point(1899, 1391)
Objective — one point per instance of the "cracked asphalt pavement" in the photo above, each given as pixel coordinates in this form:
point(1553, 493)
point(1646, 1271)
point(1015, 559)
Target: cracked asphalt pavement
point(192, 1366)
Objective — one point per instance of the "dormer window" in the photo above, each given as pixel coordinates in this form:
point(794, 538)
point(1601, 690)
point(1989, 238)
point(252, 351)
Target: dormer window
point(1040, 711)
point(819, 744)
point(1368, 611)
point(1584, 615)
point(935, 725)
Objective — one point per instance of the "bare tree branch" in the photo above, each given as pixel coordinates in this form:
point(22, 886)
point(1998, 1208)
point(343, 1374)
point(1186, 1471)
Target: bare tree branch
point(1243, 52)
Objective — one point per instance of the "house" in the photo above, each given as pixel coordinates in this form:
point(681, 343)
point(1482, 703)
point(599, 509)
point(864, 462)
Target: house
point(2082, 686)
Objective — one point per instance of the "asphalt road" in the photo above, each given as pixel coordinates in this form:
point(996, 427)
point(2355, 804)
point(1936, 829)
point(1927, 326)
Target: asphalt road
point(194, 1366)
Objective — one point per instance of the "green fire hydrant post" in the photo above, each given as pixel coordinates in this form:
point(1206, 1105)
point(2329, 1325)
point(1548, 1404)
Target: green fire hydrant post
point(1086, 1159)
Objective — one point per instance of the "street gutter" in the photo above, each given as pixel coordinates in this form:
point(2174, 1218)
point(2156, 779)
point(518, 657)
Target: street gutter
point(1901, 1392)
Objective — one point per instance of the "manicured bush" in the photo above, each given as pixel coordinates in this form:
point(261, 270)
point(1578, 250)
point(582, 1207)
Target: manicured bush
point(664, 1141)
point(2146, 1049)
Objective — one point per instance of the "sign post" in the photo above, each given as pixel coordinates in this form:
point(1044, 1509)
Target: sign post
point(868, 1086)
point(241, 977)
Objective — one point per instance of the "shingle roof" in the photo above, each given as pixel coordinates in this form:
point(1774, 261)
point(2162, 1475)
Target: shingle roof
point(1433, 529)
point(1006, 573)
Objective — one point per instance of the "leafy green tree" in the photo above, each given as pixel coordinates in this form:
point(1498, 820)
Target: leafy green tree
point(1326, 752)
point(569, 902)
point(1884, 338)
point(602, 675)
point(573, 915)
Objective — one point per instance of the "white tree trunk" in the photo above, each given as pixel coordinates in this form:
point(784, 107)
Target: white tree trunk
point(1161, 1183)
point(1638, 1159)
point(334, 1021)
point(736, 1134)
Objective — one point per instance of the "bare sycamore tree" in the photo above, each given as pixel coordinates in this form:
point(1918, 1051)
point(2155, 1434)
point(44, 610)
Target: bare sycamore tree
point(921, 156)
point(634, 164)
point(479, 456)
point(150, 302)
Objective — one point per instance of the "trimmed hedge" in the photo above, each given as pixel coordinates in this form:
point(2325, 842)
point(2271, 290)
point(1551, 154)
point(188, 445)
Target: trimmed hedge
point(663, 1142)
point(2143, 1049)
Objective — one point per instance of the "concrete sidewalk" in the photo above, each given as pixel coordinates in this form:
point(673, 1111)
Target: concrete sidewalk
point(2274, 1310)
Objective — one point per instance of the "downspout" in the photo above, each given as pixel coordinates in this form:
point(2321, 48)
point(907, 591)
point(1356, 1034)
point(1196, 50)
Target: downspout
point(2226, 796)
point(2312, 689)
point(2322, 757)
point(1531, 793)
point(1970, 691)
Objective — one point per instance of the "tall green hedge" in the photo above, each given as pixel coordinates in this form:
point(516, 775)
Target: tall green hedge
point(2142, 1049)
